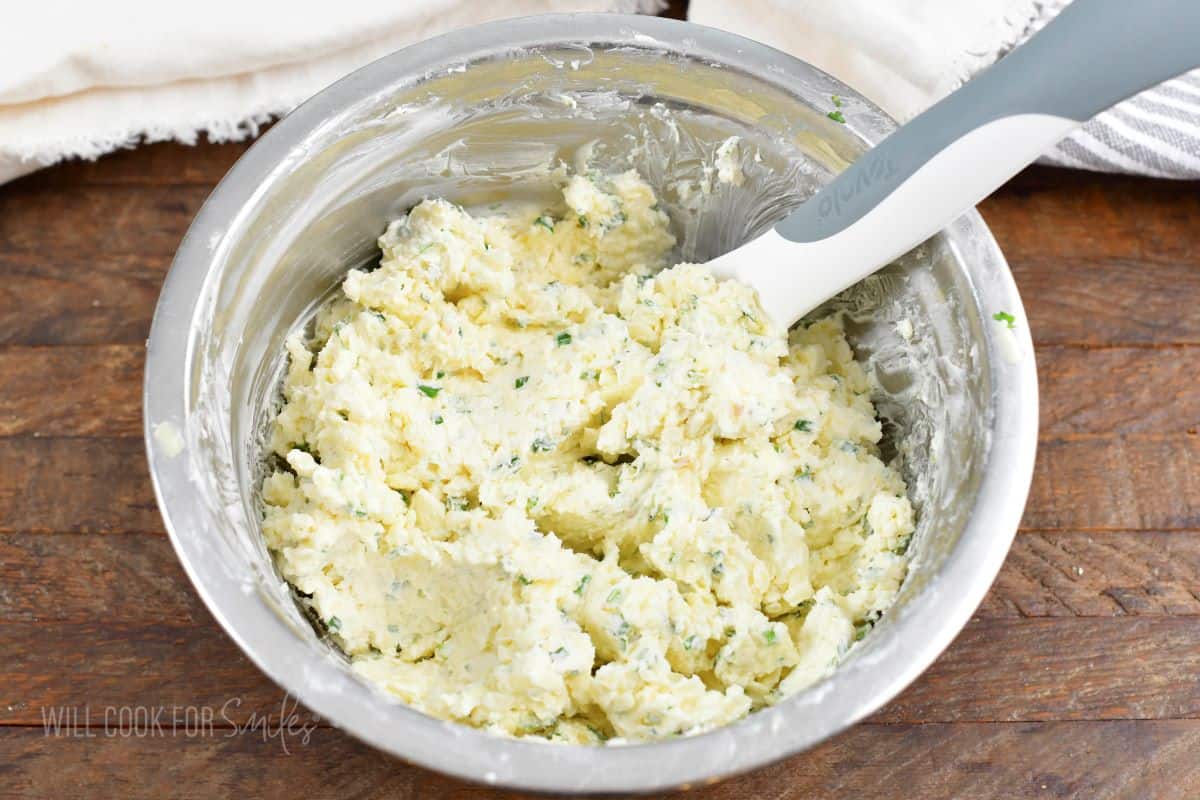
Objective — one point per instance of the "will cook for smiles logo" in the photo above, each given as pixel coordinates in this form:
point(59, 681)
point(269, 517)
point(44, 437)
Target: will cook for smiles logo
point(292, 726)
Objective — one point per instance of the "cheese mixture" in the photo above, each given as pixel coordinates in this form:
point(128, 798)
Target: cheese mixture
point(533, 482)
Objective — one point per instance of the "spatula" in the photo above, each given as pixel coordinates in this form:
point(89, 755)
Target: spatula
point(1093, 55)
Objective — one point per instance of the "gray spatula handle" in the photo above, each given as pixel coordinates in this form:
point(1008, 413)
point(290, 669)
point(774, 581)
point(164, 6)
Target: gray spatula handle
point(1093, 55)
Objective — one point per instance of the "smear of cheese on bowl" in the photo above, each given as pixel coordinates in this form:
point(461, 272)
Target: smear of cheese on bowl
point(534, 482)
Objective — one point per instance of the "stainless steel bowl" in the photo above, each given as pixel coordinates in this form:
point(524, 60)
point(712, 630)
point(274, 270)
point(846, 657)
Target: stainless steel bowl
point(478, 115)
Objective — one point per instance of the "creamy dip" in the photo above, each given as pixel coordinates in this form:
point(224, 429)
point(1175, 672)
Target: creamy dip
point(534, 482)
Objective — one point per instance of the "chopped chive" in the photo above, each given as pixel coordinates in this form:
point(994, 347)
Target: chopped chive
point(837, 116)
point(429, 391)
point(438, 420)
point(523, 580)
point(803, 425)
point(563, 339)
point(861, 630)
point(583, 582)
point(441, 373)
point(1005, 317)
point(333, 624)
point(583, 220)
point(521, 381)
point(545, 222)
point(837, 100)
point(769, 635)
point(613, 596)
point(541, 445)
point(531, 502)
point(689, 642)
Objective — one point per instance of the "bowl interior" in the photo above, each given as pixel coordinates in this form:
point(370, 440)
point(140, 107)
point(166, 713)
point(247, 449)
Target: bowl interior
point(484, 121)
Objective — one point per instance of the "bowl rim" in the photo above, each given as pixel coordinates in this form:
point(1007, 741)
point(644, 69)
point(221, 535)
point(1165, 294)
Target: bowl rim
point(936, 615)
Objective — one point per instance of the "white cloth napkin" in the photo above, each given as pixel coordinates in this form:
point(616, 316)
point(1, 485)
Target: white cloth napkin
point(80, 79)
point(907, 54)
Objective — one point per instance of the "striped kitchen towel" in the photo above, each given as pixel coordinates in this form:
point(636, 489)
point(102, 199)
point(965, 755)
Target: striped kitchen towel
point(1155, 133)
point(906, 55)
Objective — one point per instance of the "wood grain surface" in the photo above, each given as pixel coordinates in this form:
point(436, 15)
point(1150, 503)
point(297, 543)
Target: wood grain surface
point(1077, 677)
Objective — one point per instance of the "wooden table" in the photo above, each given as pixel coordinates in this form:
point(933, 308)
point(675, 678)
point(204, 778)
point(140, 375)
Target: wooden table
point(1078, 677)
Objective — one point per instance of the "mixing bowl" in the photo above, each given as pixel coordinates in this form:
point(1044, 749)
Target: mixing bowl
point(485, 114)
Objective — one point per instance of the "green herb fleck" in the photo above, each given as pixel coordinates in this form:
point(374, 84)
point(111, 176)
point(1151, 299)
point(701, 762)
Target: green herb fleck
point(837, 100)
point(622, 632)
point(541, 445)
point(1007, 318)
point(405, 496)
point(583, 220)
point(531, 502)
point(689, 642)
point(861, 630)
point(837, 116)
point(769, 635)
point(521, 381)
point(559, 653)
point(563, 339)
point(803, 425)
point(429, 391)
point(545, 222)
point(523, 580)
point(613, 596)
point(438, 420)
point(599, 734)
point(333, 624)
point(583, 582)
